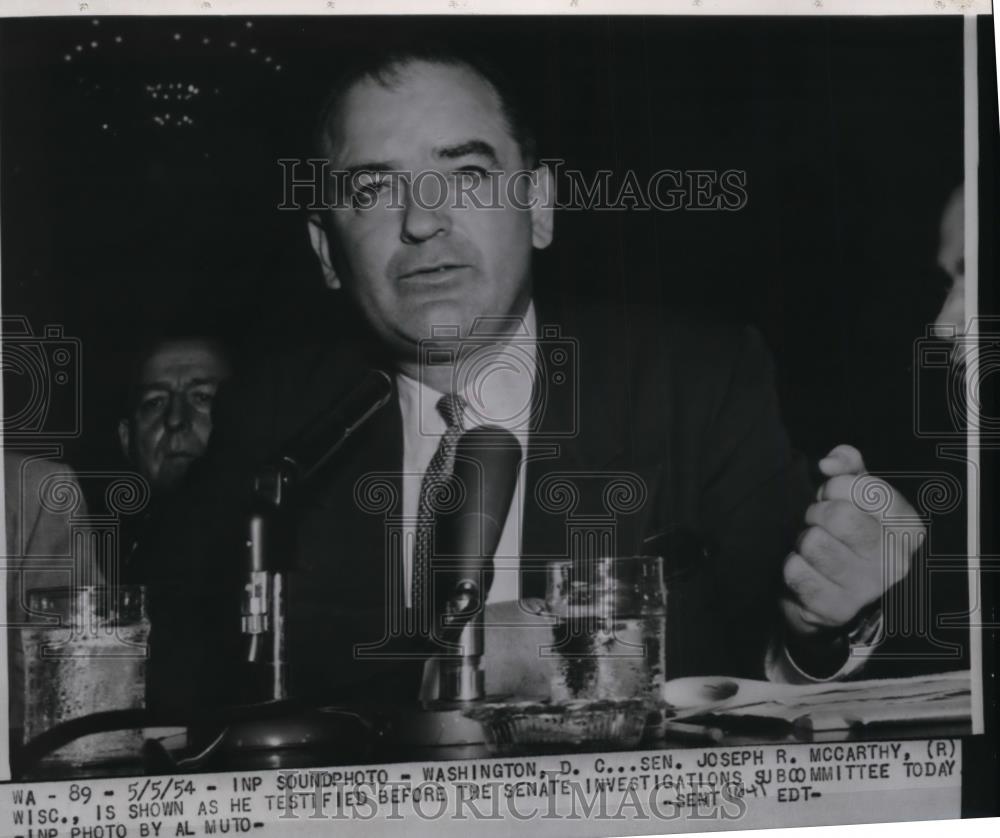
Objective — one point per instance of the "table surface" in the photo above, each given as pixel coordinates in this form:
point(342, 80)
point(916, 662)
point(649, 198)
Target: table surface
point(389, 751)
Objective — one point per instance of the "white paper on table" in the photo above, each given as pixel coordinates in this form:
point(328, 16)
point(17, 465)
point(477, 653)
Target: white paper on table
point(827, 706)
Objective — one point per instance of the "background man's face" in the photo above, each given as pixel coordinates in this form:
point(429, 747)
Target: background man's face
point(951, 257)
point(411, 267)
point(171, 419)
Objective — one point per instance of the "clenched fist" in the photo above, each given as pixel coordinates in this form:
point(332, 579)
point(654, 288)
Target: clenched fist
point(843, 559)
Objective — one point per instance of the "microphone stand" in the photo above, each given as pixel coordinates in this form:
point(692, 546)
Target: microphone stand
point(269, 539)
point(460, 675)
point(263, 610)
point(277, 741)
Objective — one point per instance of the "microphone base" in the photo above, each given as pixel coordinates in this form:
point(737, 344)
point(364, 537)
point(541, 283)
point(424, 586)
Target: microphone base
point(460, 679)
point(301, 738)
point(438, 730)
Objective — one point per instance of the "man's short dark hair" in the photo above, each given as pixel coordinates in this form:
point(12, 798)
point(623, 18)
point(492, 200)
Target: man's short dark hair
point(386, 65)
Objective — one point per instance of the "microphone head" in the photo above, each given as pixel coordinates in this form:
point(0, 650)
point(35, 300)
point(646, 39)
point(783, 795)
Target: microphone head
point(487, 459)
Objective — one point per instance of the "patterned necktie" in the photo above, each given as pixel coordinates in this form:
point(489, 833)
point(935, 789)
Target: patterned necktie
point(432, 487)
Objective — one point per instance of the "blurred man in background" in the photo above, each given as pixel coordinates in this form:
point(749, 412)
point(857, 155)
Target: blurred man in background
point(169, 415)
point(167, 422)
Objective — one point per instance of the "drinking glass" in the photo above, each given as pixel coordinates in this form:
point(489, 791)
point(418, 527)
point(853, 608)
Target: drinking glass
point(84, 651)
point(609, 629)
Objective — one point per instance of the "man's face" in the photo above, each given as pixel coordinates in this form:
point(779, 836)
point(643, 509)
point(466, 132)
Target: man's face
point(951, 257)
point(171, 419)
point(408, 255)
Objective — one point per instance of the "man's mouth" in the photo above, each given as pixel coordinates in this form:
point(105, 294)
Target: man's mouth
point(430, 272)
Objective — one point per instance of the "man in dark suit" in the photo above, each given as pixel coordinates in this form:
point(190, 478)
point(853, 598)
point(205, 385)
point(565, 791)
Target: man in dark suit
point(659, 435)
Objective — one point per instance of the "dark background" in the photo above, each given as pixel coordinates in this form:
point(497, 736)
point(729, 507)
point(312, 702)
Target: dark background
point(850, 131)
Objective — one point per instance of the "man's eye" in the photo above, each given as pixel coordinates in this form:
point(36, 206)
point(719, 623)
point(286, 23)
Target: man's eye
point(151, 403)
point(202, 398)
point(370, 182)
point(368, 187)
point(471, 175)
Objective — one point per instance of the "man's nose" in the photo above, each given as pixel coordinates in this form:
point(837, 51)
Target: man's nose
point(178, 413)
point(425, 213)
point(950, 321)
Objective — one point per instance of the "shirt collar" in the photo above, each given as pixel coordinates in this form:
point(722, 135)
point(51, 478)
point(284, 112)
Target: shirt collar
point(496, 382)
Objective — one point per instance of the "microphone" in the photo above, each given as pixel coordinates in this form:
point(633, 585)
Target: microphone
point(467, 536)
point(323, 436)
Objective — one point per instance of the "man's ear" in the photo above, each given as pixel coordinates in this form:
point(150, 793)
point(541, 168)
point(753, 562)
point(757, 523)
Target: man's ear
point(543, 202)
point(124, 437)
point(321, 247)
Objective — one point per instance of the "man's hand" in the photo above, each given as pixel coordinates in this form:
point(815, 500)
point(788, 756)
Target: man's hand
point(842, 561)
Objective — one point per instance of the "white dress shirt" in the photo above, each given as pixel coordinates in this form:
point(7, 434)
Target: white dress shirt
point(497, 392)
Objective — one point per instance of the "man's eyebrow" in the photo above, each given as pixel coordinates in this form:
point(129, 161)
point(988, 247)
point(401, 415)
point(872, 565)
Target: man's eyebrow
point(168, 385)
point(469, 148)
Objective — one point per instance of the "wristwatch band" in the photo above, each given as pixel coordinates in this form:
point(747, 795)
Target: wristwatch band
point(866, 629)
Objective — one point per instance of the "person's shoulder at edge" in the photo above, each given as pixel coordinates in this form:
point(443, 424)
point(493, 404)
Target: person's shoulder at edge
point(34, 529)
point(24, 477)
